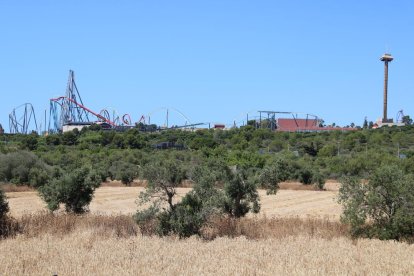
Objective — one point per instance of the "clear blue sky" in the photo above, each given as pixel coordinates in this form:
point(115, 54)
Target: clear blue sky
point(213, 60)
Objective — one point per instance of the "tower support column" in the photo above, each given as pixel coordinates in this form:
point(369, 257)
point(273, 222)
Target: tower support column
point(386, 58)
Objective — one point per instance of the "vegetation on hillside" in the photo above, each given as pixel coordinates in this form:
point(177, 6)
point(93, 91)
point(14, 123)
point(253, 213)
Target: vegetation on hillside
point(224, 167)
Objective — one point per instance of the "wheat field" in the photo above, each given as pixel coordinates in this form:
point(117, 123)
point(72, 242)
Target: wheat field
point(121, 200)
point(296, 233)
point(85, 253)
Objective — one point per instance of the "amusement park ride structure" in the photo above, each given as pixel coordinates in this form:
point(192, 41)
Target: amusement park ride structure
point(23, 119)
point(270, 120)
point(69, 112)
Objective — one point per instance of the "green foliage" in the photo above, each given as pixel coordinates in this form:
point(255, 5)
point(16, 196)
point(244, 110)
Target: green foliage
point(407, 120)
point(241, 195)
point(319, 180)
point(69, 138)
point(123, 171)
point(147, 220)
point(311, 148)
point(30, 141)
point(310, 157)
point(163, 178)
point(383, 207)
point(203, 139)
point(8, 226)
point(274, 173)
point(305, 175)
point(185, 218)
point(133, 139)
point(18, 167)
point(263, 157)
point(329, 150)
point(38, 177)
point(53, 139)
point(74, 190)
point(90, 138)
point(246, 159)
point(4, 205)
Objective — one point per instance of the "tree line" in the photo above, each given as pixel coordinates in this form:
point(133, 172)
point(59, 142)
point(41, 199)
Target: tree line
point(225, 167)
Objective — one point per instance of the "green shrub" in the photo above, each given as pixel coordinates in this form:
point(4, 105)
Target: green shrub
point(188, 217)
point(123, 171)
point(38, 177)
point(185, 218)
point(163, 179)
point(383, 207)
point(74, 190)
point(241, 195)
point(4, 205)
point(147, 220)
point(53, 139)
point(8, 225)
point(319, 180)
point(30, 141)
point(274, 173)
point(305, 176)
point(70, 138)
point(16, 167)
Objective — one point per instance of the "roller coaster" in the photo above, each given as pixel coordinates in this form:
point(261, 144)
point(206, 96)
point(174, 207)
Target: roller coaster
point(70, 110)
point(23, 119)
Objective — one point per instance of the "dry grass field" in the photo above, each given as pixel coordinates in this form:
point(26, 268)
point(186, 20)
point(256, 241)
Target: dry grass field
point(84, 252)
point(121, 200)
point(297, 233)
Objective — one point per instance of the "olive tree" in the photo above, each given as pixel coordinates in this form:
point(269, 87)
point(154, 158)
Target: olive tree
point(383, 207)
point(274, 173)
point(74, 190)
point(123, 171)
point(240, 193)
point(186, 217)
point(163, 179)
point(23, 167)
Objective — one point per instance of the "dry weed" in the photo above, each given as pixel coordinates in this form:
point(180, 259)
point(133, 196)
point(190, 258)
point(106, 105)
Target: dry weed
point(9, 227)
point(140, 183)
point(116, 183)
point(296, 186)
point(274, 228)
point(66, 244)
point(34, 225)
point(10, 188)
point(82, 252)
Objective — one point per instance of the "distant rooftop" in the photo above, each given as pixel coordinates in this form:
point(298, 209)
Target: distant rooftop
point(304, 125)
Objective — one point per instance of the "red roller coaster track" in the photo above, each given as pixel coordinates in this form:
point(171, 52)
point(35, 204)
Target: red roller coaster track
point(102, 118)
